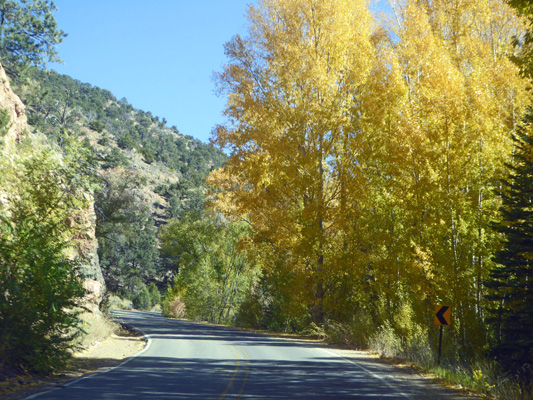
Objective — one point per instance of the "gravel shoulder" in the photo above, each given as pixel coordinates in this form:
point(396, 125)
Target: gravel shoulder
point(99, 357)
point(404, 377)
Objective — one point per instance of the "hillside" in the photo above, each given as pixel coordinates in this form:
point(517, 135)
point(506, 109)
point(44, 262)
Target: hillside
point(147, 172)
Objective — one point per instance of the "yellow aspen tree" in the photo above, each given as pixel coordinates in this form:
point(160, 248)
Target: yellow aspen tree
point(371, 244)
point(462, 98)
point(478, 35)
point(416, 187)
point(291, 86)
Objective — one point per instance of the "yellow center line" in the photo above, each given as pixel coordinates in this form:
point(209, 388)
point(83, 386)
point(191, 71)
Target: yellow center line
point(230, 383)
point(245, 374)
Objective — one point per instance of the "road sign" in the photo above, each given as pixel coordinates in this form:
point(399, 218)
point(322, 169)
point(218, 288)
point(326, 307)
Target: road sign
point(442, 315)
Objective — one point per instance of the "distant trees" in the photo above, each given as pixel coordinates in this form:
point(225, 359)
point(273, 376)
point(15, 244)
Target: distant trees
point(28, 34)
point(212, 275)
point(53, 100)
point(128, 248)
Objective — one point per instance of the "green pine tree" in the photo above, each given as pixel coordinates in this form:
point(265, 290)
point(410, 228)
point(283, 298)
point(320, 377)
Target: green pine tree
point(510, 282)
point(28, 35)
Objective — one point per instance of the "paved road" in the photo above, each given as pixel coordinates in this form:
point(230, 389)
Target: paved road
point(185, 360)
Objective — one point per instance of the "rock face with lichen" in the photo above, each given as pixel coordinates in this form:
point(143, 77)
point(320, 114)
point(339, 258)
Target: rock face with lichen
point(18, 123)
point(86, 246)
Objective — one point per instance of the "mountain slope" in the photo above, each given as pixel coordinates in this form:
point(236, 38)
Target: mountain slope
point(147, 172)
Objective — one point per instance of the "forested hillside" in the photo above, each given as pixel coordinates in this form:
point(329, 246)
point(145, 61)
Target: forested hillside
point(146, 172)
point(86, 174)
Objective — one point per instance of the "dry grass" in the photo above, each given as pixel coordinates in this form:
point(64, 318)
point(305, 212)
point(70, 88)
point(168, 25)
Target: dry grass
point(103, 352)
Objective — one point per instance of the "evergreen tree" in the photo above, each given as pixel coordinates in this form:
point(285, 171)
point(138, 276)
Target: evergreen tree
point(28, 34)
point(510, 283)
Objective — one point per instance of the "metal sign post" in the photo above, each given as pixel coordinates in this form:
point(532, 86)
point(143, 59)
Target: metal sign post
point(442, 318)
point(440, 344)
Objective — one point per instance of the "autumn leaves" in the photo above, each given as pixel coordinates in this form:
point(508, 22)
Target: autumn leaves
point(364, 152)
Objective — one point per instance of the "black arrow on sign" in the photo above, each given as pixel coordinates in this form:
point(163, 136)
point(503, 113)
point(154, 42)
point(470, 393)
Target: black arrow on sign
point(440, 315)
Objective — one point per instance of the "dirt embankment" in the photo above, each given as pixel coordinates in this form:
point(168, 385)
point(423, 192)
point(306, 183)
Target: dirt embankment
point(99, 356)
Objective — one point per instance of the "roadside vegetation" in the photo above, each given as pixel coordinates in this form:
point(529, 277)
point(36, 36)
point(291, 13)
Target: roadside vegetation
point(40, 278)
point(370, 170)
point(383, 168)
point(84, 150)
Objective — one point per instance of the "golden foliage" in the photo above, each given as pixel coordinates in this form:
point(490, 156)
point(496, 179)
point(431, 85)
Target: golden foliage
point(364, 155)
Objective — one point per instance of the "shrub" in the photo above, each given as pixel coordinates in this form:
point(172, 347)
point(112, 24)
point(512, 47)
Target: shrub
point(112, 302)
point(97, 125)
point(355, 333)
point(115, 158)
point(5, 122)
point(174, 308)
point(142, 300)
point(250, 313)
point(41, 286)
point(385, 342)
point(103, 141)
point(147, 154)
point(155, 296)
point(417, 347)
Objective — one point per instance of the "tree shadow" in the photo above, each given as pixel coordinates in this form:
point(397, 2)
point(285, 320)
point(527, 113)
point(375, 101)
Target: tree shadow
point(195, 378)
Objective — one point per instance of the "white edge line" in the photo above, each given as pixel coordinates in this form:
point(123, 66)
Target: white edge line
point(374, 375)
point(95, 373)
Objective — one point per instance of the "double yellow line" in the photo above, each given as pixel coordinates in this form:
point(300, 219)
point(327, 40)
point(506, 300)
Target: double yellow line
point(235, 372)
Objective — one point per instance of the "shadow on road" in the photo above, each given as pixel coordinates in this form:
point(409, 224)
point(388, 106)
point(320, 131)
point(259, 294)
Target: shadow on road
point(168, 378)
point(171, 328)
point(248, 366)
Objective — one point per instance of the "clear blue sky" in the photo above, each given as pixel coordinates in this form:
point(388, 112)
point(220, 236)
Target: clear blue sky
point(158, 54)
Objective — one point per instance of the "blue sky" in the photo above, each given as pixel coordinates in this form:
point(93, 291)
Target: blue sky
point(160, 54)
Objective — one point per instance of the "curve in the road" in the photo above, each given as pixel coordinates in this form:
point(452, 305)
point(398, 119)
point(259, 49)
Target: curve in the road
point(186, 360)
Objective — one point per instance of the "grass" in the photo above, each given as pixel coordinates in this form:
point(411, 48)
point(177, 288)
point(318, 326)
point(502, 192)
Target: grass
point(484, 377)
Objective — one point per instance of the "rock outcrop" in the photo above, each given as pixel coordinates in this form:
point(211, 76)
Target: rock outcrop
point(18, 123)
point(86, 245)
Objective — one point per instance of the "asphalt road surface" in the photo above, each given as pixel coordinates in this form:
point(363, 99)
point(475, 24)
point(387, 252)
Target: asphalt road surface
point(186, 360)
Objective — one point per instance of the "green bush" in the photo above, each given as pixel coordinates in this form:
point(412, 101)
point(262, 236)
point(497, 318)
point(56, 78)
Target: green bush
point(103, 141)
point(41, 286)
point(5, 122)
point(97, 125)
point(116, 158)
point(147, 154)
point(142, 301)
point(155, 295)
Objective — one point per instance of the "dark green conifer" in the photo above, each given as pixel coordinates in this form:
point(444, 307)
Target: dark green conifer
point(510, 282)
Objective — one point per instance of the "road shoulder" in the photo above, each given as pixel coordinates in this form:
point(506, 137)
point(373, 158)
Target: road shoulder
point(99, 357)
point(403, 377)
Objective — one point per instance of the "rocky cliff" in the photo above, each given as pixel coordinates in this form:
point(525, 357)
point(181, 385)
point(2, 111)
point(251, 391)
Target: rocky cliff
point(15, 130)
point(18, 124)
